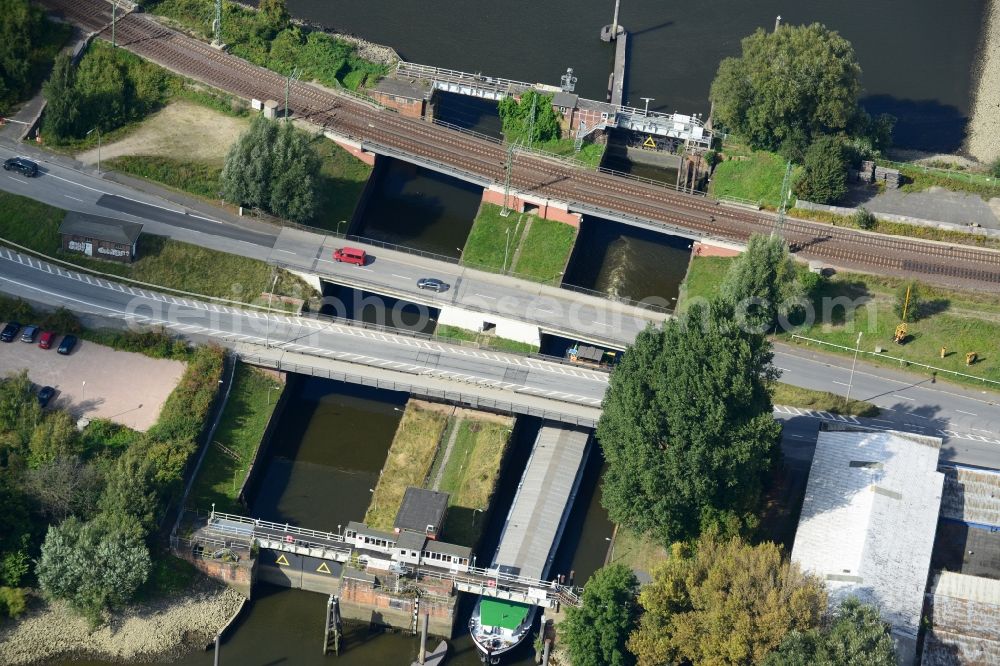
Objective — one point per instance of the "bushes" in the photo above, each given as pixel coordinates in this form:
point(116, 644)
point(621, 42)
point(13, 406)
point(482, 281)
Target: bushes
point(864, 219)
point(201, 178)
point(825, 177)
point(13, 601)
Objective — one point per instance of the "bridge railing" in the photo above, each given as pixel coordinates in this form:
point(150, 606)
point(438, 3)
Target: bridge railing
point(257, 524)
point(648, 181)
point(472, 400)
point(456, 76)
point(491, 579)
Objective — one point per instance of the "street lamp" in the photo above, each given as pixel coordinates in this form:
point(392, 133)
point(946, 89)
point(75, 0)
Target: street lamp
point(645, 111)
point(850, 383)
point(338, 225)
point(270, 296)
point(98, 129)
point(474, 512)
point(374, 503)
point(83, 397)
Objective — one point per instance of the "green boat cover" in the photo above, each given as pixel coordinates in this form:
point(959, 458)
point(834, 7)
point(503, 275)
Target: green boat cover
point(500, 613)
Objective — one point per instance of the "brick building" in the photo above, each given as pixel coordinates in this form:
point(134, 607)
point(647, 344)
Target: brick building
point(100, 237)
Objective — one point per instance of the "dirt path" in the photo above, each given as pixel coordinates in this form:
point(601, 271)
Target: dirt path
point(182, 130)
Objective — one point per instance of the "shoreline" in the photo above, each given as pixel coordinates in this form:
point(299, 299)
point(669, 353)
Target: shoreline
point(160, 630)
point(983, 140)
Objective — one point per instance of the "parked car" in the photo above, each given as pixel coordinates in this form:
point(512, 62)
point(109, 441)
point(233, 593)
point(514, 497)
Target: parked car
point(29, 333)
point(46, 339)
point(433, 284)
point(67, 345)
point(350, 255)
point(9, 331)
point(45, 395)
point(22, 164)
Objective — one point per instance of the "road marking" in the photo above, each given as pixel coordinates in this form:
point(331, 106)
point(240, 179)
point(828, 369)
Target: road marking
point(17, 179)
point(286, 251)
point(882, 420)
point(841, 383)
point(401, 277)
point(71, 182)
point(903, 397)
point(207, 219)
point(485, 296)
point(960, 411)
point(981, 430)
point(73, 198)
point(601, 323)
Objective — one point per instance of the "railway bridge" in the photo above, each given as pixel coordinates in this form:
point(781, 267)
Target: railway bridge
point(360, 118)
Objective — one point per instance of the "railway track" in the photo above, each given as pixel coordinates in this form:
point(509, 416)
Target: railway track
point(342, 113)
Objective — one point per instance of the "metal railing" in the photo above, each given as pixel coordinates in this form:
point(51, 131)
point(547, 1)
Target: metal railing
point(649, 181)
point(285, 528)
point(472, 400)
point(455, 76)
point(901, 361)
point(480, 577)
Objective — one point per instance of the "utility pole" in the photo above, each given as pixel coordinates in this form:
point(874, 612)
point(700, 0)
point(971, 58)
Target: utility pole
point(288, 84)
point(114, 20)
point(786, 183)
point(647, 100)
point(614, 23)
point(531, 123)
point(850, 383)
point(98, 130)
point(508, 167)
point(777, 22)
point(217, 23)
point(506, 250)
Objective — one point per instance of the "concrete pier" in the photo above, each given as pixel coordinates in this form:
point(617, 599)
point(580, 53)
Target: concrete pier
point(618, 75)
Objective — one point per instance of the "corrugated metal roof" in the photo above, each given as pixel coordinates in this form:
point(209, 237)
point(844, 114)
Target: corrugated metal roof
point(100, 228)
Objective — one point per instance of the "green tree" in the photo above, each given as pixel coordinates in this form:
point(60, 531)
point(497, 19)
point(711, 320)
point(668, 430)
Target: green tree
point(273, 17)
point(858, 636)
point(824, 179)
point(596, 633)
point(130, 488)
point(68, 567)
point(15, 533)
point(62, 105)
point(908, 311)
point(687, 427)
point(19, 410)
point(788, 87)
point(16, 28)
point(13, 601)
point(273, 167)
point(516, 118)
point(763, 282)
point(723, 602)
point(65, 486)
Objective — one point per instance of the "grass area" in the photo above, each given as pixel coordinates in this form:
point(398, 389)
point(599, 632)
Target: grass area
point(959, 321)
point(899, 228)
point(487, 246)
point(492, 341)
point(590, 154)
point(408, 462)
point(751, 175)
point(921, 178)
point(821, 401)
point(195, 177)
point(161, 261)
point(470, 476)
point(703, 279)
point(168, 576)
point(251, 402)
point(546, 250)
point(319, 56)
point(342, 179)
point(543, 254)
point(636, 551)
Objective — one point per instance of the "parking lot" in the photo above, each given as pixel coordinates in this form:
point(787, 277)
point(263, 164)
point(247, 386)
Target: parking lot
point(96, 381)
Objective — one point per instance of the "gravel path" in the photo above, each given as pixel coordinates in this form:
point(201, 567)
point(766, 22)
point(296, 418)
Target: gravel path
point(158, 630)
point(984, 140)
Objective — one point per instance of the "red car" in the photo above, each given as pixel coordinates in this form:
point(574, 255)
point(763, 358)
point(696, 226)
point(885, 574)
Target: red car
point(46, 339)
point(351, 255)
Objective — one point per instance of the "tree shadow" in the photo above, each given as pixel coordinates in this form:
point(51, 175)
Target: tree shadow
point(921, 124)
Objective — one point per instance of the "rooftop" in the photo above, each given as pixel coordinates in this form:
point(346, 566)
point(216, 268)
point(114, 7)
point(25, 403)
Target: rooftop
point(364, 530)
point(868, 522)
point(421, 509)
point(433, 546)
point(408, 540)
point(101, 228)
point(407, 88)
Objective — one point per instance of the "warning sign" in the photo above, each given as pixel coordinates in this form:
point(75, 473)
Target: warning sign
point(282, 560)
point(649, 142)
point(322, 568)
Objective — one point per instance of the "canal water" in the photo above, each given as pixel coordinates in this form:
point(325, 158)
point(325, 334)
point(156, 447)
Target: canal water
point(418, 208)
point(330, 445)
point(627, 261)
point(918, 56)
point(350, 303)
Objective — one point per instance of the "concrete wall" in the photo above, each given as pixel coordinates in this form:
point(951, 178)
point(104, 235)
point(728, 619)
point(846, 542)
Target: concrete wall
point(505, 328)
point(411, 108)
point(705, 249)
point(546, 209)
point(353, 148)
point(361, 601)
point(239, 576)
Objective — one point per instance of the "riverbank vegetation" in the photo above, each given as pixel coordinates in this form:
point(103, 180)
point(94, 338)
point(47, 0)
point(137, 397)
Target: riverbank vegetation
point(252, 399)
point(526, 245)
point(29, 45)
point(268, 38)
point(74, 498)
point(531, 121)
point(161, 261)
